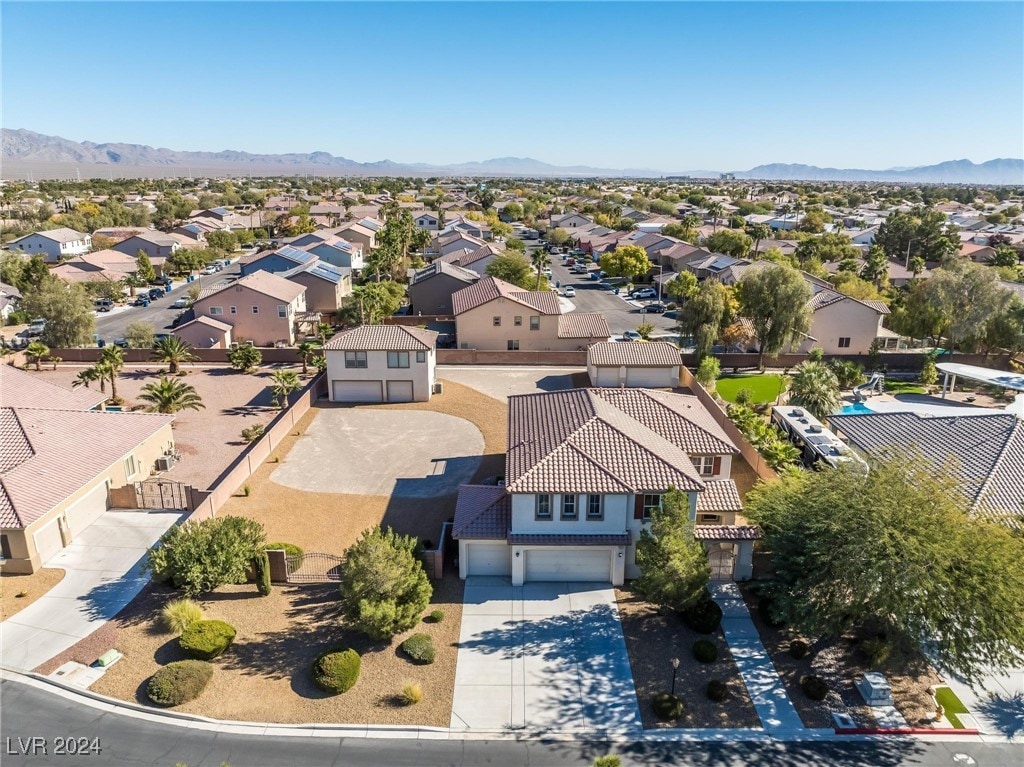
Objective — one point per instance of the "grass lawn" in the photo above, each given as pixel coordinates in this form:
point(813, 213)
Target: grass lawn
point(951, 706)
point(903, 387)
point(765, 387)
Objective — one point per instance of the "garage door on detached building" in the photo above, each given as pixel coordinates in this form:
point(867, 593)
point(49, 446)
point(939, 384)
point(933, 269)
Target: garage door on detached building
point(357, 391)
point(561, 564)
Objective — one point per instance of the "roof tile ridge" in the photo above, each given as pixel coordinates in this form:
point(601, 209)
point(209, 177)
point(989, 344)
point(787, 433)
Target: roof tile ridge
point(1018, 427)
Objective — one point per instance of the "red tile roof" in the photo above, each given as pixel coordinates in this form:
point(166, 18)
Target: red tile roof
point(588, 325)
point(727, 532)
point(656, 354)
point(572, 539)
point(19, 388)
point(482, 512)
point(719, 495)
point(383, 338)
point(490, 288)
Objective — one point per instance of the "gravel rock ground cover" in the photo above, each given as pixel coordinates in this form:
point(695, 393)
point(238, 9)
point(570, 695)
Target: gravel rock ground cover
point(265, 675)
point(32, 586)
point(653, 638)
point(841, 664)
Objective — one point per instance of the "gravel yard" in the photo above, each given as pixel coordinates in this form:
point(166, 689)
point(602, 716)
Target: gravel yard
point(30, 587)
point(265, 675)
point(653, 639)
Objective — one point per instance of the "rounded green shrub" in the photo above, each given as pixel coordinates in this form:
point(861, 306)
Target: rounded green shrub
point(419, 648)
point(667, 707)
point(436, 616)
point(290, 549)
point(814, 687)
point(705, 651)
point(798, 649)
point(206, 640)
point(764, 607)
point(336, 671)
point(179, 682)
point(717, 690)
point(703, 617)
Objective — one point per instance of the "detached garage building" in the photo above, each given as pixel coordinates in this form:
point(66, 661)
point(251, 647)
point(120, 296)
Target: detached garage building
point(653, 365)
point(381, 363)
point(59, 460)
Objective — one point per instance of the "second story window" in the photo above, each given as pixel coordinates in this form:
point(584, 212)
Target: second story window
point(355, 359)
point(255, 309)
point(535, 323)
point(216, 310)
point(517, 321)
point(282, 310)
point(544, 507)
point(594, 509)
point(421, 356)
point(497, 322)
point(398, 359)
point(568, 507)
point(651, 503)
point(704, 464)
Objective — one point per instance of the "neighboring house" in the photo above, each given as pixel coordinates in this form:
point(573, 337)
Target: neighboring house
point(339, 252)
point(986, 451)
point(431, 288)
point(449, 242)
point(358, 233)
point(326, 285)
point(262, 308)
point(570, 221)
point(10, 296)
point(205, 333)
point(428, 221)
point(283, 259)
point(153, 244)
point(101, 266)
point(381, 363)
point(584, 471)
point(59, 460)
point(980, 254)
point(495, 315)
point(476, 229)
point(476, 260)
point(652, 365)
point(53, 244)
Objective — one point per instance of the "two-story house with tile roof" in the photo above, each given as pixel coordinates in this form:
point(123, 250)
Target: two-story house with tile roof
point(261, 307)
point(584, 471)
point(53, 244)
point(381, 363)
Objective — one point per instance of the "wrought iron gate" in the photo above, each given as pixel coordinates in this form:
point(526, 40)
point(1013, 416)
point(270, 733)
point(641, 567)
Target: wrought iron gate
point(314, 567)
point(161, 494)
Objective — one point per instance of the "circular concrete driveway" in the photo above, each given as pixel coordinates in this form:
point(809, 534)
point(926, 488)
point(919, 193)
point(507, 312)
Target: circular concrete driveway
point(405, 453)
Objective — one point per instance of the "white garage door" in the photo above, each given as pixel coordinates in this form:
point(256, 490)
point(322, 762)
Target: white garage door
point(489, 559)
point(399, 391)
point(607, 376)
point(653, 377)
point(357, 391)
point(48, 541)
point(84, 512)
point(557, 564)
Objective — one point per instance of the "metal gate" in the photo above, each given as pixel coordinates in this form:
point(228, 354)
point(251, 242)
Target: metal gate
point(314, 567)
point(721, 561)
point(161, 494)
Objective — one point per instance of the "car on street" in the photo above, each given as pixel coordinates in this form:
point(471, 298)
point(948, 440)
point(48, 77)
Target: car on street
point(644, 293)
point(35, 328)
point(164, 280)
point(159, 337)
point(671, 315)
point(630, 335)
point(570, 262)
point(181, 303)
point(141, 301)
point(570, 292)
point(155, 293)
point(103, 304)
point(655, 307)
point(122, 342)
point(209, 270)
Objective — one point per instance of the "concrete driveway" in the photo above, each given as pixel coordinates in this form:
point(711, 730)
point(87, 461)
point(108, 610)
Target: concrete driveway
point(102, 575)
point(542, 657)
point(500, 381)
point(372, 451)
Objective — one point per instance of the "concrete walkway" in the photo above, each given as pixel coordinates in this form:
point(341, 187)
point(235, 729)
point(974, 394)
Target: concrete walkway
point(101, 575)
point(766, 689)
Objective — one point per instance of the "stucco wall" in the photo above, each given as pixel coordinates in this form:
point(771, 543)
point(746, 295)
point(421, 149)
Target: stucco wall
point(263, 328)
point(420, 373)
point(845, 319)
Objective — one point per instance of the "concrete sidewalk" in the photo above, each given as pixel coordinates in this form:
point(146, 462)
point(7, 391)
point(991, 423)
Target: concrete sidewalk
point(102, 574)
point(766, 689)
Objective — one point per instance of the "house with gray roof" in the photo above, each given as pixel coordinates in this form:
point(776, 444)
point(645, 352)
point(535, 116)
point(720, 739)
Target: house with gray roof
point(584, 471)
point(432, 287)
point(53, 244)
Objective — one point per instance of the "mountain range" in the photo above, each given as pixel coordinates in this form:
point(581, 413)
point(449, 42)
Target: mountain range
point(26, 152)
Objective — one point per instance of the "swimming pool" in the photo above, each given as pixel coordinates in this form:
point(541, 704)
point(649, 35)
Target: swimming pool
point(857, 408)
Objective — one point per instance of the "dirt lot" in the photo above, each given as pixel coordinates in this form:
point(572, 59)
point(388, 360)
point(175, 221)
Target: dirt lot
point(840, 663)
point(331, 522)
point(208, 439)
point(653, 638)
point(265, 675)
point(31, 586)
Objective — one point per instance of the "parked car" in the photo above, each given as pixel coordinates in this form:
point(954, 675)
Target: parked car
point(672, 315)
point(141, 301)
point(155, 293)
point(570, 292)
point(122, 342)
point(630, 335)
point(35, 328)
point(103, 304)
point(655, 308)
point(181, 303)
point(164, 280)
point(209, 270)
point(160, 337)
point(570, 262)
point(642, 293)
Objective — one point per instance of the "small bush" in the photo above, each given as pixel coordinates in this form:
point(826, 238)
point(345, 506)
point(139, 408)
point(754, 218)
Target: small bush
point(607, 761)
point(412, 693)
point(206, 640)
point(717, 690)
point(419, 648)
point(290, 550)
point(814, 687)
point(336, 671)
point(744, 396)
point(246, 491)
point(262, 567)
point(798, 649)
point(876, 650)
point(764, 606)
point(704, 617)
point(667, 707)
point(180, 614)
point(436, 616)
point(705, 651)
point(179, 682)
point(252, 433)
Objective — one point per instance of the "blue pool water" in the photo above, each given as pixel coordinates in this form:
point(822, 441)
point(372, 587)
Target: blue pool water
point(857, 408)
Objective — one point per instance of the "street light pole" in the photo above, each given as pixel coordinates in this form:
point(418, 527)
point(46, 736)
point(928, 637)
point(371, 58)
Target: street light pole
point(661, 271)
point(675, 669)
point(906, 263)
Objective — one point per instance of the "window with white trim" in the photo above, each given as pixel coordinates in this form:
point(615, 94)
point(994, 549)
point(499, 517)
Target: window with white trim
point(129, 466)
point(535, 323)
point(513, 345)
point(704, 464)
point(282, 310)
point(234, 310)
point(215, 310)
point(497, 322)
point(709, 518)
point(568, 507)
point(355, 359)
point(594, 507)
point(543, 506)
point(255, 309)
point(844, 343)
point(398, 359)
point(517, 321)
point(421, 356)
point(652, 502)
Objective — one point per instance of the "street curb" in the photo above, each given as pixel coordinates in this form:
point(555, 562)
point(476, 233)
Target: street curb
point(907, 731)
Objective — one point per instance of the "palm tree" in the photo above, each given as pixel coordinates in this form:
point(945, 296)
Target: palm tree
point(760, 232)
point(715, 210)
point(169, 395)
point(814, 386)
point(305, 351)
point(173, 351)
point(37, 350)
point(86, 377)
point(285, 382)
point(540, 262)
point(112, 358)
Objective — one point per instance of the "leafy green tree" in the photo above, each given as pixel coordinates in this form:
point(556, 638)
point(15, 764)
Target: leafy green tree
point(627, 261)
point(37, 350)
point(369, 304)
point(775, 301)
point(384, 589)
point(170, 395)
point(894, 551)
point(1004, 256)
point(919, 232)
point(174, 352)
point(558, 236)
point(67, 310)
point(513, 211)
point(199, 557)
point(144, 268)
point(284, 383)
point(140, 335)
point(86, 377)
point(848, 373)
point(673, 564)
point(486, 197)
point(760, 232)
point(222, 240)
point(965, 296)
point(514, 243)
point(814, 387)
point(245, 357)
point(705, 316)
point(829, 247)
point(682, 232)
point(512, 267)
point(715, 210)
point(876, 267)
point(929, 375)
point(731, 242)
point(708, 372)
point(645, 330)
point(682, 287)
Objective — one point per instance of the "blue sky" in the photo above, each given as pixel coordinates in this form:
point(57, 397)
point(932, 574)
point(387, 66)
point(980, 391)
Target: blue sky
point(668, 86)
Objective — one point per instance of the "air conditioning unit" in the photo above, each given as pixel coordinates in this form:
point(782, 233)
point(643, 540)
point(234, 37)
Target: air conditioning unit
point(797, 412)
point(438, 387)
point(815, 429)
point(164, 463)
